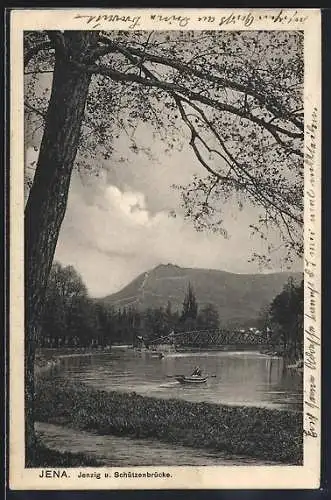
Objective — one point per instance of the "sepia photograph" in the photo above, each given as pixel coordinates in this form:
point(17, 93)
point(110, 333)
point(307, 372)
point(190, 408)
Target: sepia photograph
point(166, 282)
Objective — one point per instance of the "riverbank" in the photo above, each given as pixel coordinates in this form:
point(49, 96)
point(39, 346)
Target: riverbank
point(46, 359)
point(254, 432)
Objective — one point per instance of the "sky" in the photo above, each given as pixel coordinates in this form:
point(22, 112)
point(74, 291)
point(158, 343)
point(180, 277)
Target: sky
point(118, 224)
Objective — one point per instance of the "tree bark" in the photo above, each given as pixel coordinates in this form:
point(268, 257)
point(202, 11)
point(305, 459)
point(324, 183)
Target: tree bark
point(46, 206)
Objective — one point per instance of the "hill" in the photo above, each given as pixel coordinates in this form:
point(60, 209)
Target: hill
point(238, 297)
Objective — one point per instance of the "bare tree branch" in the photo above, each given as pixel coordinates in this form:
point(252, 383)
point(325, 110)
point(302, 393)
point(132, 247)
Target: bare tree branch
point(198, 93)
point(38, 72)
point(34, 110)
point(193, 96)
point(231, 161)
point(191, 70)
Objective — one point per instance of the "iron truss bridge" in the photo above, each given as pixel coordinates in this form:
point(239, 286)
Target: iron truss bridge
point(197, 338)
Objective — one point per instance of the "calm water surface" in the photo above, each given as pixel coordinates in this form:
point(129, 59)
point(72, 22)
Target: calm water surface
point(240, 378)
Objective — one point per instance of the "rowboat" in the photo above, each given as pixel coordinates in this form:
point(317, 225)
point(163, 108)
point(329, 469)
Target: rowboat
point(192, 379)
point(157, 355)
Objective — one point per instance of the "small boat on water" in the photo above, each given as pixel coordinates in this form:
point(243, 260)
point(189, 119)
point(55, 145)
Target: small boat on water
point(192, 379)
point(157, 355)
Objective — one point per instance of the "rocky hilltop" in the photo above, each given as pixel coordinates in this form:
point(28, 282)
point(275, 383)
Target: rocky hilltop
point(238, 297)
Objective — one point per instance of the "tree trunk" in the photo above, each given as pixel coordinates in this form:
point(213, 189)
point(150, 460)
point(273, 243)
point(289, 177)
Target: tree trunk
point(47, 201)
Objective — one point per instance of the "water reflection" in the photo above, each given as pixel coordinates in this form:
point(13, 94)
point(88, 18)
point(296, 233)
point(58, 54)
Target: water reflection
point(247, 378)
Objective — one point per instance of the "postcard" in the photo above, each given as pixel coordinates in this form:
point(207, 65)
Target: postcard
point(165, 246)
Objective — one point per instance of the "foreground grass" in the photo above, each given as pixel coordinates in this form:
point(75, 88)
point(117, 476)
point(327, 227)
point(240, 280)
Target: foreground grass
point(255, 432)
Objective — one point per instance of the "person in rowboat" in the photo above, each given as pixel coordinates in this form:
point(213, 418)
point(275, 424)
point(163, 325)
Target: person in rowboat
point(197, 372)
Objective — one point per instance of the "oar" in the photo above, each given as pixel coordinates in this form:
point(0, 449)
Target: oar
point(171, 376)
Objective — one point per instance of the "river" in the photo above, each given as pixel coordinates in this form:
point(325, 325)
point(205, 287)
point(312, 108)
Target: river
point(240, 378)
point(236, 378)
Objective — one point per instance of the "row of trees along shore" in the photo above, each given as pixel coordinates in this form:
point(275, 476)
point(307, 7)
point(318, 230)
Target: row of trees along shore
point(231, 96)
point(72, 318)
point(284, 319)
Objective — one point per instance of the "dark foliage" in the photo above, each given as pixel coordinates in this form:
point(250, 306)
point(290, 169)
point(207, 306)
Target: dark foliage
point(284, 320)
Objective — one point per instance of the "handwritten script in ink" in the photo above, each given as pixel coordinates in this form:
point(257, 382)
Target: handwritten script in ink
point(185, 19)
point(312, 292)
point(110, 20)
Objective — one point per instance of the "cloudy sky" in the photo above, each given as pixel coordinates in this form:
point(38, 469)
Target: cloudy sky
point(117, 224)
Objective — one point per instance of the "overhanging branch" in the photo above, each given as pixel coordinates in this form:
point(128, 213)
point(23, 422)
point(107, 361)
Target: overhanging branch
point(115, 75)
point(231, 162)
point(181, 67)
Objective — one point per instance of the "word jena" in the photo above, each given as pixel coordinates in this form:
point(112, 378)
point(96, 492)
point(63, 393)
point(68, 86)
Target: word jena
point(50, 473)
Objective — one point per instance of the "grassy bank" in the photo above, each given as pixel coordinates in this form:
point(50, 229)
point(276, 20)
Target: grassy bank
point(255, 432)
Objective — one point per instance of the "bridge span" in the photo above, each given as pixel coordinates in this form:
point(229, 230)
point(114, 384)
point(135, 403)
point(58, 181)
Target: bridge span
point(213, 338)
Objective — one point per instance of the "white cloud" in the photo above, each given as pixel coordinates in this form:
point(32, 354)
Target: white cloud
point(111, 236)
point(117, 224)
point(131, 204)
